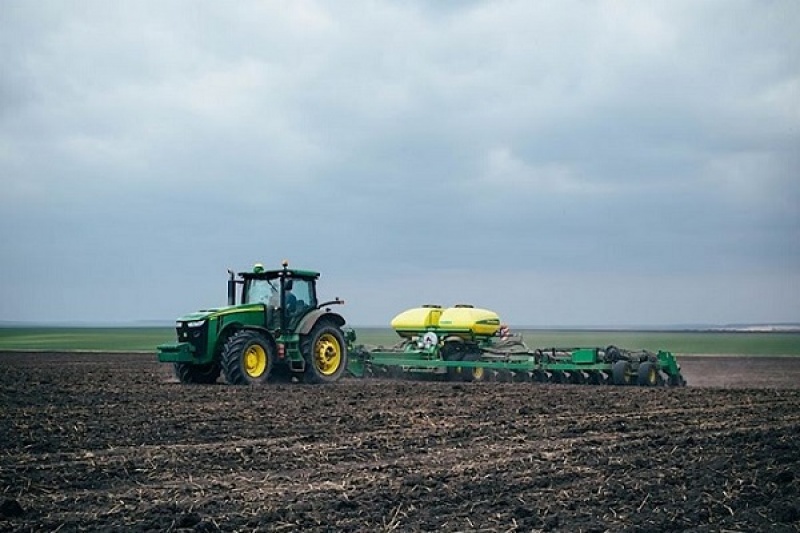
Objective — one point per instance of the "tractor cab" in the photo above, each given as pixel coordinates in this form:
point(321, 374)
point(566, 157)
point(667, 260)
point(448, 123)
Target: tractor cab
point(288, 294)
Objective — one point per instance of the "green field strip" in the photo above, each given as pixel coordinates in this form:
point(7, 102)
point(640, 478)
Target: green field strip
point(137, 339)
point(69, 339)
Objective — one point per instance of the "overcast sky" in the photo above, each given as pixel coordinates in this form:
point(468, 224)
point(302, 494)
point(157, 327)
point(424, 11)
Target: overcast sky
point(562, 163)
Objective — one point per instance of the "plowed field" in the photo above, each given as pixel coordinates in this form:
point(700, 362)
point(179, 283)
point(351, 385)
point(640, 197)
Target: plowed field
point(94, 442)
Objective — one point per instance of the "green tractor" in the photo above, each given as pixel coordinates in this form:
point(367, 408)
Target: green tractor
point(277, 331)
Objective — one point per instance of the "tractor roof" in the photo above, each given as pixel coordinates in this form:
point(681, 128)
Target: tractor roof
point(272, 274)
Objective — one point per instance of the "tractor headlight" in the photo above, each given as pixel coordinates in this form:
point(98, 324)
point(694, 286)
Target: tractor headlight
point(195, 324)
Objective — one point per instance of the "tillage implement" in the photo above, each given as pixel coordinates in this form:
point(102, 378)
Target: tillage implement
point(464, 343)
point(275, 330)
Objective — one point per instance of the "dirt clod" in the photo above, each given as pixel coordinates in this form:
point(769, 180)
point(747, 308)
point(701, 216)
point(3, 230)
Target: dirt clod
point(11, 508)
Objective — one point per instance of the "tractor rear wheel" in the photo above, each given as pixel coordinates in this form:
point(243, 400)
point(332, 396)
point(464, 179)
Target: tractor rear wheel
point(620, 373)
point(201, 374)
point(247, 358)
point(325, 352)
point(647, 375)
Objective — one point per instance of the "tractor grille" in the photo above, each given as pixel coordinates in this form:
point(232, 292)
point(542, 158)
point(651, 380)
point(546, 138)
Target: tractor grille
point(197, 336)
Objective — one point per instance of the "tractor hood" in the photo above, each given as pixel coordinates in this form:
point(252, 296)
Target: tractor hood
point(206, 314)
point(199, 315)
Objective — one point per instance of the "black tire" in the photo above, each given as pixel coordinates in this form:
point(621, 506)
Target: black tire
point(557, 376)
point(325, 352)
point(453, 350)
point(247, 358)
point(620, 373)
point(521, 376)
point(470, 374)
point(199, 374)
point(539, 376)
point(596, 378)
point(577, 378)
point(647, 375)
point(504, 376)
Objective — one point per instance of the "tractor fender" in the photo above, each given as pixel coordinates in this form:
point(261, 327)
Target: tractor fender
point(308, 321)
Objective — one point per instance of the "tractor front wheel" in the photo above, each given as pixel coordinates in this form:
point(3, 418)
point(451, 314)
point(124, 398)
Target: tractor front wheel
point(200, 374)
point(247, 358)
point(326, 354)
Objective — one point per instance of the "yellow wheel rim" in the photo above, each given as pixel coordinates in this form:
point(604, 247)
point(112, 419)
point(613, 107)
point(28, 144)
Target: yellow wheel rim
point(255, 361)
point(652, 377)
point(327, 354)
point(477, 373)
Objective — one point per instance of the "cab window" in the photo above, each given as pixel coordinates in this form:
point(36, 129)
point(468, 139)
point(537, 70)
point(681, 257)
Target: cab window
point(302, 293)
point(258, 291)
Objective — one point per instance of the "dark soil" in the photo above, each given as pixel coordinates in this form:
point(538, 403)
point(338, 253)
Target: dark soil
point(94, 442)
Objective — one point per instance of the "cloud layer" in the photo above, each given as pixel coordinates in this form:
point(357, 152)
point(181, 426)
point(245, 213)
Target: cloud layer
point(562, 162)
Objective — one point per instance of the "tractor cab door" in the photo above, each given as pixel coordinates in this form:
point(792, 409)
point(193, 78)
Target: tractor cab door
point(263, 291)
point(300, 297)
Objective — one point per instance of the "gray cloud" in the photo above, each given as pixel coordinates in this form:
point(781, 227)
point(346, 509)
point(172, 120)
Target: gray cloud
point(644, 154)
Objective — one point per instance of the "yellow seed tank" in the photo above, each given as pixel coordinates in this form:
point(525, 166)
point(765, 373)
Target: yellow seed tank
point(460, 320)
